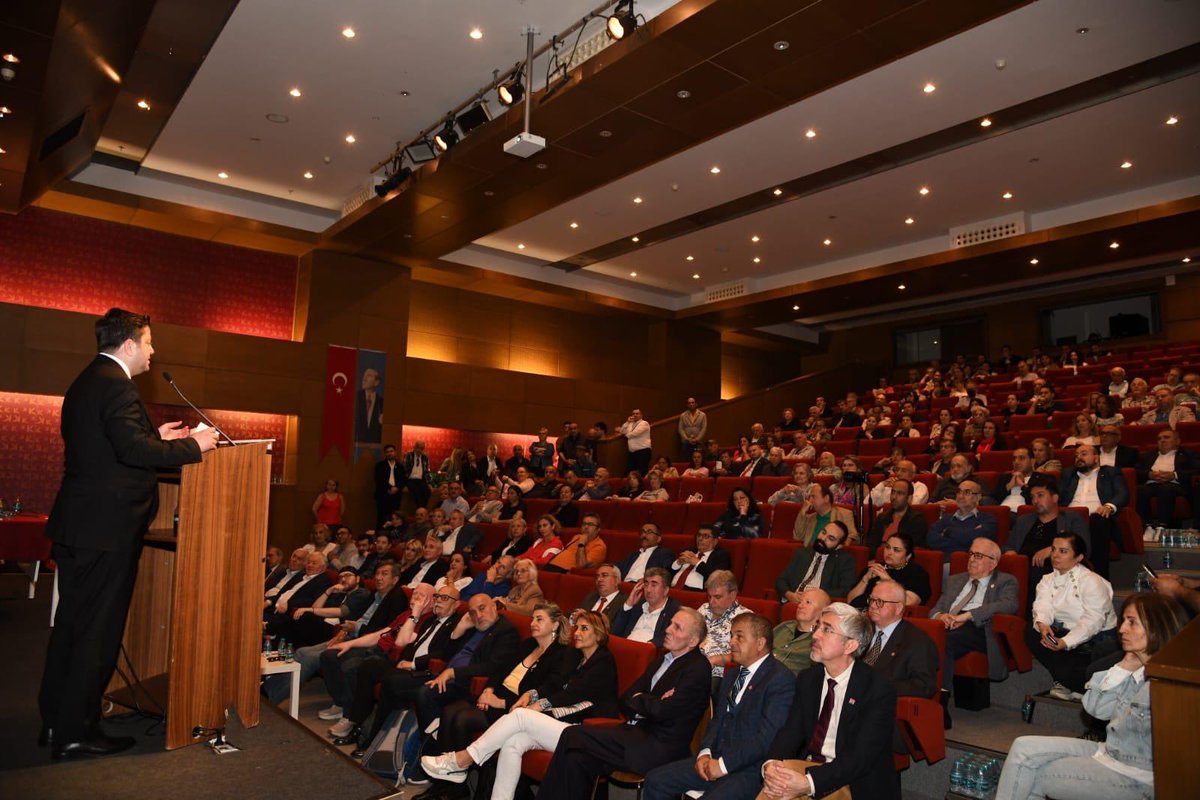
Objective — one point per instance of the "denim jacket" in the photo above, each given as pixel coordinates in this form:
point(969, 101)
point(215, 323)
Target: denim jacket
point(1123, 698)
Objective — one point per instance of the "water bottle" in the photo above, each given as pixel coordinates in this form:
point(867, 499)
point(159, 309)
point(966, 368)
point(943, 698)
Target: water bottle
point(1168, 559)
point(16, 509)
point(1027, 709)
point(288, 652)
point(982, 779)
point(958, 775)
point(266, 643)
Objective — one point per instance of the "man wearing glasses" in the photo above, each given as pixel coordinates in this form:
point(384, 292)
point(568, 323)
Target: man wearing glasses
point(954, 532)
point(586, 550)
point(1114, 454)
point(968, 601)
point(634, 565)
point(693, 567)
point(899, 650)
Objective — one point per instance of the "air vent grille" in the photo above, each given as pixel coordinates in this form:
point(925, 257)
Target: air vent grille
point(988, 230)
point(725, 291)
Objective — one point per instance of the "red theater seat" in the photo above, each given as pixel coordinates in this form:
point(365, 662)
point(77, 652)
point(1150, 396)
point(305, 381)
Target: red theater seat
point(701, 514)
point(767, 560)
point(725, 487)
point(766, 485)
point(705, 487)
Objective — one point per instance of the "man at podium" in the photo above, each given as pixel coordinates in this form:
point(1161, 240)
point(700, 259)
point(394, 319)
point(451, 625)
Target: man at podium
point(108, 496)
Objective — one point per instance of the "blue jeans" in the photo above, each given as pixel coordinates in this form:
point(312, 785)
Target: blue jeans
point(1062, 768)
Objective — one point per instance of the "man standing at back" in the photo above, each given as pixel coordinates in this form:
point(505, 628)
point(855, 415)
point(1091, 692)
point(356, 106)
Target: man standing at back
point(108, 496)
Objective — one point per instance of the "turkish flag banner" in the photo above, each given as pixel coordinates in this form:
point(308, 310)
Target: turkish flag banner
point(337, 419)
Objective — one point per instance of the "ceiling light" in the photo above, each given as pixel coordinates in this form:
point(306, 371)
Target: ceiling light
point(985, 122)
point(475, 33)
point(308, 175)
point(5, 110)
point(447, 137)
point(512, 90)
point(637, 199)
point(1187, 259)
point(633, 274)
point(1171, 120)
point(691, 258)
point(754, 238)
point(574, 225)
point(795, 308)
point(143, 105)
point(350, 138)
point(778, 192)
point(827, 242)
point(924, 190)
point(696, 276)
point(2, 151)
point(757, 260)
point(278, 119)
point(393, 181)
point(622, 22)
point(902, 287)
point(294, 92)
point(1126, 164)
point(11, 58)
point(782, 45)
point(1113, 245)
point(683, 94)
point(520, 246)
point(1007, 195)
point(1082, 31)
point(715, 170)
point(1033, 261)
point(929, 88)
point(635, 239)
point(348, 32)
point(810, 133)
point(909, 220)
point(222, 175)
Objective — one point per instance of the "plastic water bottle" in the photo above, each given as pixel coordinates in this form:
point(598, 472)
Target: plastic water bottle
point(288, 652)
point(16, 506)
point(1168, 559)
point(958, 775)
point(968, 783)
point(266, 644)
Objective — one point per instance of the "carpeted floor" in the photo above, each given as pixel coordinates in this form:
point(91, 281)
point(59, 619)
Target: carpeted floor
point(277, 756)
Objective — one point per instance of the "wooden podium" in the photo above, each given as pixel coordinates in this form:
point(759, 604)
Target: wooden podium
point(194, 632)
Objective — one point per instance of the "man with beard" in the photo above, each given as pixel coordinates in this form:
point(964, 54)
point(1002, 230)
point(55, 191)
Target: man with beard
point(1102, 491)
point(825, 565)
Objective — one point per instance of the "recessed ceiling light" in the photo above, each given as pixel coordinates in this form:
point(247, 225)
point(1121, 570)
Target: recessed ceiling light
point(308, 175)
point(782, 45)
point(637, 199)
point(1187, 259)
point(909, 220)
point(348, 32)
point(475, 33)
point(827, 242)
point(929, 88)
point(606, 134)
point(810, 134)
point(5, 110)
point(757, 260)
point(222, 175)
point(754, 238)
point(691, 258)
point(1033, 261)
point(778, 192)
point(1113, 245)
point(521, 246)
point(143, 105)
point(635, 239)
point(1007, 195)
point(683, 94)
point(924, 190)
point(986, 122)
point(795, 308)
point(1171, 120)
point(2, 151)
point(715, 170)
point(574, 225)
point(1126, 164)
point(902, 287)
point(12, 58)
point(294, 92)
point(1082, 31)
point(350, 138)
point(696, 276)
point(278, 119)
point(633, 274)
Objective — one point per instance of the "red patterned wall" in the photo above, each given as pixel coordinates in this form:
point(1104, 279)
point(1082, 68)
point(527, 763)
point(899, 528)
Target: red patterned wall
point(31, 449)
point(440, 441)
point(55, 260)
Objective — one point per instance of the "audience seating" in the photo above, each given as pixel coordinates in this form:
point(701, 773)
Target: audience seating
point(920, 718)
point(766, 485)
point(705, 487)
point(766, 562)
point(725, 487)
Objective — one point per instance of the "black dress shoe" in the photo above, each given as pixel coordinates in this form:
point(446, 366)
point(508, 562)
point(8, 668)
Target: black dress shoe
point(45, 736)
point(349, 738)
point(96, 746)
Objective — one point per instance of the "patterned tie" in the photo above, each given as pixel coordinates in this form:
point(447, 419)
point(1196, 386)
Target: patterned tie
point(813, 569)
point(818, 738)
point(958, 607)
point(873, 651)
point(738, 683)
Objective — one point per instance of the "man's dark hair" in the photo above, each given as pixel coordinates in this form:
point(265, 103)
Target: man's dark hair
point(116, 326)
point(1047, 482)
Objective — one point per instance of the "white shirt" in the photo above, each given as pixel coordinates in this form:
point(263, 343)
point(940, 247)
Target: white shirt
point(637, 434)
point(283, 598)
point(820, 559)
point(420, 576)
point(1108, 458)
point(418, 472)
point(643, 629)
point(1119, 389)
point(287, 576)
point(1080, 601)
point(977, 600)
point(608, 599)
point(753, 668)
point(638, 567)
point(881, 495)
point(423, 648)
point(449, 542)
point(124, 366)
point(1165, 463)
point(391, 474)
point(1086, 493)
point(694, 579)
point(829, 749)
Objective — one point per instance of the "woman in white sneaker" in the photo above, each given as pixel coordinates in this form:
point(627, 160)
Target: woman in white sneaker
point(1122, 765)
point(539, 717)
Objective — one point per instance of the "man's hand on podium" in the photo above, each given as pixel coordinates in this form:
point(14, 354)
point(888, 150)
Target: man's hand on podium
point(207, 439)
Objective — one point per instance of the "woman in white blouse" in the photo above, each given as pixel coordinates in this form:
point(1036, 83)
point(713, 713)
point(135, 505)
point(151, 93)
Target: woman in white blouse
point(697, 468)
point(1073, 619)
point(458, 574)
point(1083, 431)
point(655, 493)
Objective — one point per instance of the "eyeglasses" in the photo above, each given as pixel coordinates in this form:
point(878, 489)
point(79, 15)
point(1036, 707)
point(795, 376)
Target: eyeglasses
point(967, 491)
point(978, 555)
point(879, 601)
point(443, 597)
point(828, 630)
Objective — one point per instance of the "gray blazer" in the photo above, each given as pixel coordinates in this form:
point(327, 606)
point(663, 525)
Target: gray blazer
point(1068, 522)
point(1000, 597)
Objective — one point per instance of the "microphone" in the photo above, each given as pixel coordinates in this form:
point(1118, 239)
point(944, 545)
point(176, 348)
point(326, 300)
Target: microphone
point(167, 377)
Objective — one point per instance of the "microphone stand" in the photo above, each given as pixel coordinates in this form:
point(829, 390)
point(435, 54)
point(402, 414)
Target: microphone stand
point(203, 416)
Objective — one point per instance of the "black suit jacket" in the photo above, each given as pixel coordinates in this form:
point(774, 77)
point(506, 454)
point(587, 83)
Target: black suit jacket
point(666, 724)
point(909, 660)
point(741, 737)
point(394, 604)
point(437, 570)
point(368, 430)
point(275, 577)
point(718, 558)
point(307, 594)
point(1184, 467)
point(468, 539)
point(493, 658)
point(661, 557)
point(1110, 485)
point(623, 624)
point(109, 489)
point(913, 523)
point(440, 646)
point(1127, 457)
point(382, 469)
point(410, 458)
point(611, 610)
point(864, 734)
point(594, 680)
point(837, 576)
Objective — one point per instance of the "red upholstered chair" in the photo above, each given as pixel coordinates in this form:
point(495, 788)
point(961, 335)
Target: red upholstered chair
point(631, 515)
point(571, 591)
point(705, 487)
point(689, 598)
point(1021, 423)
point(701, 514)
point(519, 621)
point(920, 718)
point(1062, 421)
point(996, 460)
point(548, 581)
point(766, 485)
point(677, 542)
point(931, 562)
point(913, 446)
point(767, 608)
point(766, 562)
point(538, 507)
point(725, 487)
point(920, 460)
point(672, 487)
point(931, 511)
point(841, 447)
point(874, 448)
point(669, 517)
point(783, 520)
point(620, 544)
point(845, 433)
point(739, 551)
point(601, 508)
point(1003, 523)
point(861, 557)
point(1141, 435)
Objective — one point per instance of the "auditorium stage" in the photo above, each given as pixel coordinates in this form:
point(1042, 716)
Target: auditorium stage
point(279, 756)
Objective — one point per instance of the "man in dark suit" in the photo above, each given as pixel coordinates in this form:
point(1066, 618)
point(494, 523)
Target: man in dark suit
point(274, 563)
point(608, 589)
point(825, 565)
point(693, 567)
point(389, 483)
point(368, 409)
point(1163, 476)
point(663, 707)
point(898, 517)
point(108, 496)
point(899, 650)
point(1103, 491)
point(863, 703)
point(285, 577)
point(650, 554)
point(416, 474)
point(303, 594)
point(647, 613)
point(1033, 534)
point(461, 536)
point(428, 569)
point(757, 465)
point(751, 707)
point(1114, 454)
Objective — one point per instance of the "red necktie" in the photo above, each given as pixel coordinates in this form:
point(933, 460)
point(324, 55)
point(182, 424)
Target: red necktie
point(681, 578)
point(818, 738)
point(600, 605)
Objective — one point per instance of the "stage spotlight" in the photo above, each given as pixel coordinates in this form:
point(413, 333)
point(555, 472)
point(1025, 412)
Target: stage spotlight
point(623, 20)
point(473, 117)
point(447, 137)
point(512, 90)
point(420, 152)
point(393, 181)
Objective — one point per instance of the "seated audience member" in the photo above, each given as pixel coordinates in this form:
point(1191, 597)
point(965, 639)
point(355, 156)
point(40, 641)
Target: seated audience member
point(1139, 396)
point(697, 468)
point(907, 428)
point(906, 471)
point(968, 601)
point(664, 468)
point(1166, 412)
point(344, 549)
point(792, 640)
point(1172, 380)
point(899, 650)
point(494, 581)
point(649, 554)
point(421, 525)
point(654, 493)
point(755, 463)
point(565, 510)
point(285, 577)
point(841, 490)
point(1083, 431)
point(1107, 413)
point(546, 485)
point(632, 488)
point(986, 442)
point(898, 517)
point(955, 532)
point(488, 508)
point(724, 467)
point(1162, 476)
point(1033, 534)
point(1011, 408)
point(1117, 385)
point(539, 716)
point(775, 465)
point(516, 543)
point(458, 573)
point(1182, 589)
point(820, 512)
point(598, 487)
point(1043, 456)
point(322, 541)
point(826, 565)
point(513, 507)
point(522, 480)
point(947, 449)
point(344, 600)
point(1121, 765)
point(1012, 488)
point(666, 703)
point(801, 447)
point(797, 491)
point(460, 536)
point(586, 550)
point(474, 474)
point(847, 699)
point(693, 567)
point(548, 543)
point(741, 518)
point(585, 466)
point(429, 568)
point(897, 566)
point(1073, 620)
point(525, 593)
point(1112, 453)
point(1190, 395)
point(947, 488)
point(412, 552)
point(608, 598)
point(362, 549)
point(1044, 401)
point(456, 501)
point(1103, 492)
point(402, 650)
point(646, 613)
point(300, 594)
point(826, 464)
point(751, 705)
point(719, 612)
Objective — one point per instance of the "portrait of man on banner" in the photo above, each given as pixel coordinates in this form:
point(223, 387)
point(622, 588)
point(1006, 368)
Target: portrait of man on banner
point(368, 400)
